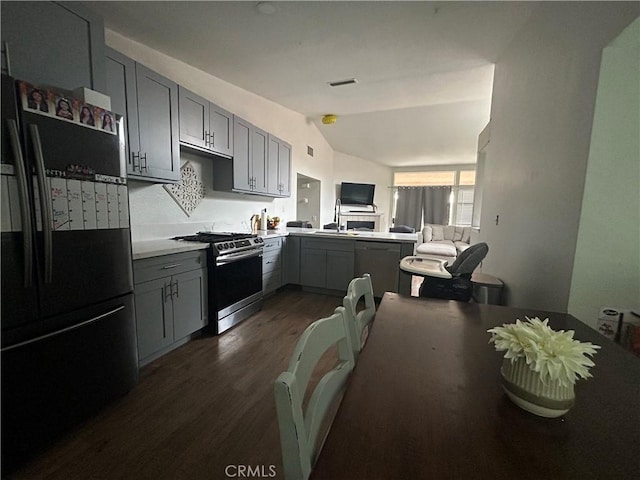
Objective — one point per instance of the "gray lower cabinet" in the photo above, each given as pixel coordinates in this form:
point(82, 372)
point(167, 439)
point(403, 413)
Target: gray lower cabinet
point(291, 260)
point(171, 301)
point(272, 265)
point(204, 125)
point(326, 263)
point(52, 43)
point(150, 103)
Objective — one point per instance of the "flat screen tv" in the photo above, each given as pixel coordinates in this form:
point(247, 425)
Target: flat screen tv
point(356, 193)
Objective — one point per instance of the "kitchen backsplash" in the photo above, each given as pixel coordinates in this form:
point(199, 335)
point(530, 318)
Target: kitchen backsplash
point(155, 214)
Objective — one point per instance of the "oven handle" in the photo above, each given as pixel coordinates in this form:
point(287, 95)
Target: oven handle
point(236, 257)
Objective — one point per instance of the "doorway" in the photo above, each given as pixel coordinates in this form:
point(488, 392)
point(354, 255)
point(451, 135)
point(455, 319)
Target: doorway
point(308, 194)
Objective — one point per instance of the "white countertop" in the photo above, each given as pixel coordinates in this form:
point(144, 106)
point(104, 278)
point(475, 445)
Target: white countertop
point(355, 235)
point(157, 247)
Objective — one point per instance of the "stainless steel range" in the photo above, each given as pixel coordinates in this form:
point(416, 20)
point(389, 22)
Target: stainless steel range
point(234, 263)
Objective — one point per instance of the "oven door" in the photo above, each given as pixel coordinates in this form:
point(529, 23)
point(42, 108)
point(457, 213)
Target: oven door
point(238, 281)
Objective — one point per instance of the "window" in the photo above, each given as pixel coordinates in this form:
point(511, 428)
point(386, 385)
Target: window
point(462, 182)
point(424, 179)
point(463, 211)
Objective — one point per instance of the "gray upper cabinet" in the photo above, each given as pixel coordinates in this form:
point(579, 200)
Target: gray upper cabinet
point(250, 148)
point(259, 159)
point(158, 156)
point(204, 125)
point(59, 44)
point(279, 168)
point(150, 103)
point(121, 87)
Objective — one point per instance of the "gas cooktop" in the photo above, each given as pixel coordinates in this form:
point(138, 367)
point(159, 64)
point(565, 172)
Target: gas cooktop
point(225, 242)
point(211, 237)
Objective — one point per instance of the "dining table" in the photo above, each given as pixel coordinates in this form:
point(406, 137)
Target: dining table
point(425, 401)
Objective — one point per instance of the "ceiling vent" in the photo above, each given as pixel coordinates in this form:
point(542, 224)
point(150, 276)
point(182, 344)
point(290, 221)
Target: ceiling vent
point(340, 83)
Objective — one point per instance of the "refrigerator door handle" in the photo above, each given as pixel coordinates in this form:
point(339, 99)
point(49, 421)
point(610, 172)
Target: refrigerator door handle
point(25, 207)
point(45, 203)
point(58, 332)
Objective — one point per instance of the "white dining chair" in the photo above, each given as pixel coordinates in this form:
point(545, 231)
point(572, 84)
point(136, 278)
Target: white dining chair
point(301, 435)
point(359, 322)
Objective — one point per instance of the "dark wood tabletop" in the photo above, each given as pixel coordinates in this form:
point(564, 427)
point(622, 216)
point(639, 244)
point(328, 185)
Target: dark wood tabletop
point(425, 402)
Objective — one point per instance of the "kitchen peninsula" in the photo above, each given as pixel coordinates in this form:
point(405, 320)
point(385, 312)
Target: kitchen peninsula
point(319, 260)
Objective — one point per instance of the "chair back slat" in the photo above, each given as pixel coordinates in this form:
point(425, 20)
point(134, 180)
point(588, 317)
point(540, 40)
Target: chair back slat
point(359, 321)
point(301, 436)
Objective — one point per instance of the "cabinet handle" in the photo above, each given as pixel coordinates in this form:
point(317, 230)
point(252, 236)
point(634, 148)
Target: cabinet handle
point(173, 265)
point(143, 157)
point(45, 203)
point(6, 58)
point(212, 142)
point(177, 291)
point(206, 138)
point(167, 291)
point(135, 156)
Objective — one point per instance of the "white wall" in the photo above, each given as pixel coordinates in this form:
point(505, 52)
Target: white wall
point(541, 116)
point(347, 168)
point(151, 206)
point(606, 269)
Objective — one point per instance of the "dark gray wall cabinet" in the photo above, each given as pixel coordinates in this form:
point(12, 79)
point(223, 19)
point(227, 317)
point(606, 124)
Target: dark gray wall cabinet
point(279, 167)
point(150, 103)
point(261, 163)
point(204, 125)
point(250, 151)
point(171, 301)
point(53, 43)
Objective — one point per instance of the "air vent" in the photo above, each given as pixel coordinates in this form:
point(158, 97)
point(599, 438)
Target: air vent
point(340, 83)
point(309, 151)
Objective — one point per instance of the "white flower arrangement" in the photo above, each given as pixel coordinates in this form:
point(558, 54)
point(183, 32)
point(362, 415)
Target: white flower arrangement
point(554, 355)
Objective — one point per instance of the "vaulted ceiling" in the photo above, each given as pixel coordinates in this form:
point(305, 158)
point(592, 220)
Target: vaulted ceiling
point(423, 70)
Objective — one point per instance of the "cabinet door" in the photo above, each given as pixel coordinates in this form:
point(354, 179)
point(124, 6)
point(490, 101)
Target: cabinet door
point(242, 154)
point(260, 154)
point(272, 166)
point(339, 269)
point(189, 302)
point(121, 87)
point(313, 268)
point(221, 129)
point(158, 125)
point(284, 170)
point(194, 118)
point(279, 168)
point(154, 318)
point(54, 44)
point(291, 260)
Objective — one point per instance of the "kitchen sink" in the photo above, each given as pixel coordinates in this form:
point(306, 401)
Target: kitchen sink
point(333, 232)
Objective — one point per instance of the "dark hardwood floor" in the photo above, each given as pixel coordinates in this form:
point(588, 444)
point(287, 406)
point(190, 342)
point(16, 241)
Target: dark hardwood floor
point(197, 410)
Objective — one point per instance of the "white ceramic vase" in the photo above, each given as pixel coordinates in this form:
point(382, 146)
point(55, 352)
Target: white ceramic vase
point(524, 387)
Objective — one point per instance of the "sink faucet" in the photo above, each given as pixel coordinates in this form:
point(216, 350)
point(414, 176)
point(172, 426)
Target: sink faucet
point(336, 213)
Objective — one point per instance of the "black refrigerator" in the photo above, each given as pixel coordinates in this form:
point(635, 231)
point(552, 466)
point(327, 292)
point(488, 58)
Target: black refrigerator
point(68, 325)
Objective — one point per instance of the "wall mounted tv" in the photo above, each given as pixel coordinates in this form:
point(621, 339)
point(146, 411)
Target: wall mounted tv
point(356, 193)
